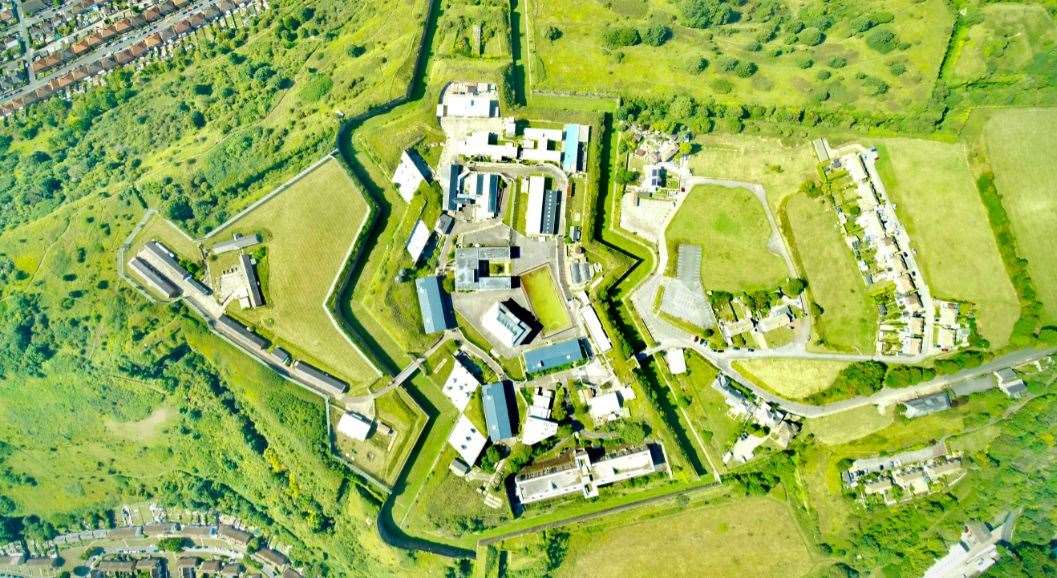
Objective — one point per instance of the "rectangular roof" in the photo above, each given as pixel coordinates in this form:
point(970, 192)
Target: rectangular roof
point(534, 210)
point(466, 440)
point(240, 332)
point(159, 282)
point(556, 355)
point(253, 284)
point(417, 243)
point(319, 378)
point(551, 213)
point(497, 411)
point(571, 148)
point(239, 242)
point(434, 305)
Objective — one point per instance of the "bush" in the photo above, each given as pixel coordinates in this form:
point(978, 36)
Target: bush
point(656, 34)
point(823, 74)
point(805, 61)
point(811, 37)
point(837, 62)
point(897, 68)
point(746, 68)
point(552, 33)
point(698, 65)
point(722, 86)
point(706, 13)
point(882, 40)
point(727, 63)
point(620, 36)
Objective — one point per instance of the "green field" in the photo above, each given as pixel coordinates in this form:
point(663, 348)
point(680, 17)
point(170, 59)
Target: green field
point(849, 317)
point(751, 537)
point(731, 227)
point(1019, 146)
point(310, 229)
point(788, 66)
point(932, 188)
point(473, 29)
point(848, 426)
point(791, 378)
point(543, 294)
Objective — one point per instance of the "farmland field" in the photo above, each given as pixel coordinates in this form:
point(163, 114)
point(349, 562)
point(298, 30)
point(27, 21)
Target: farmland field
point(751, 537)
point(732, 229)
point(309, 230)
point(849, 317)
point(932, 187)
point(791, 378)
point(1020, 145)
point(837, 68)
point(542, 292)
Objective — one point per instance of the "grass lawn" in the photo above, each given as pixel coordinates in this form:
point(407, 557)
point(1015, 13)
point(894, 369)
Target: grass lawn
point(168, 234)
point(750, 537)
point(706, 411)
point(1020, 145)
point(542, 292)
point(848, 426)
point(791, 378)
point(310, 229)
point(1002, 43)
point(579, 62)
point(731, 227)
point(933, 189)
point(849, 316)
point(779, 165)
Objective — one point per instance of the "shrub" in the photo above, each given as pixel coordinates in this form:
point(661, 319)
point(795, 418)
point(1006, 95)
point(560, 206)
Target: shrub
point(722, 86)
point(837, 62)
point(656, 34)
point(552, 33)
point(882, 40)
point(620, 36)
point(746, 68)
point(823, 74)
point(897, 68)
point(706, 13)
point(698, 65)
point(727, 63)
point(811, 37)
point(805, 61)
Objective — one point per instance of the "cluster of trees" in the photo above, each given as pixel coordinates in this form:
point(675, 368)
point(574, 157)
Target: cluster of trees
point(622, 36)
point(762, 300)
point(708, 13)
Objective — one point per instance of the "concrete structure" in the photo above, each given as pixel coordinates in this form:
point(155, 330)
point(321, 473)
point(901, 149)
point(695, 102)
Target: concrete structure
point(469, 100)
point(554, 356)
point(410, 174)
point(237, 243)
point(460, 385)
point(254, 297)
point(467, 441)
point(434, 305)
point(355, 426)
point(574, 472)
point(506, 326)
point(420, 236)
point(499, 411)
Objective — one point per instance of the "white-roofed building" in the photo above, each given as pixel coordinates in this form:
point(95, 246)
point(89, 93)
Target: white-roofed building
point(355, 426)
point(534, 210)
point(595, 329)
point(505, 326)
point(480, 144)
point(467, 440)
point(469, 99)
point(676, 360)
point(409, 175)
point(542, 134)
point(541, 155)
point(418, 241)
point(608, 406)
point(537, 429)
point(460, 385)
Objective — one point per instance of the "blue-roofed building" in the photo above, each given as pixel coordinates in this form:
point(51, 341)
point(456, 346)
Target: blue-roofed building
point(552, 356)
point(497, 411)
point(434, 304)
point(571, 148)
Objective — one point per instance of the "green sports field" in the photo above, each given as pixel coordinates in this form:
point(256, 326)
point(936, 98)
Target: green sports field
point(542, 291)
point(730, 225)
point(936, 199)
point(849, 317)
point(309, 231)
point(1020, 145)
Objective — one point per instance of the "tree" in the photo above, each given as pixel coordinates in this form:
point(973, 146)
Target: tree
point(552, 33)
point(794, 286)
point(706, 13)
point(882, 40)
point(620, 36)
point(811, 36)
point(174, 544)
point(626, 177)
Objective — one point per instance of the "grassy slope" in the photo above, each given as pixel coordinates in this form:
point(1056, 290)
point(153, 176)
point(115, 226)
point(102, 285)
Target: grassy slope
point(309, 229)
point(577, 62)
point(849, 318)
point(792, 378)
point(1020, 144)
point(720, 540)
point(542, 291)
point(932, 187)
point(732, 229)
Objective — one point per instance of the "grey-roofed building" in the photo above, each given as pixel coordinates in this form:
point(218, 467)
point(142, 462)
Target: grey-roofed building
point(291, 573)
point(1010, 383)
point(161, 529)
point(240, 333)
point(198, 286)
point(238, 242)
point(313, 376)
point(497, 411)
point(115, 567)
point(472, 266)
point(434, 305)
point(551, 212)
point(253, 284)
point(445, 223)
point(927, 405)
point(281, 355)
point(273, 557)
point(211, 566)
point(234, 535)
point(168, 257)
point(554, 356)
point(154, 279)
point(451, 198)
point(126, 532)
